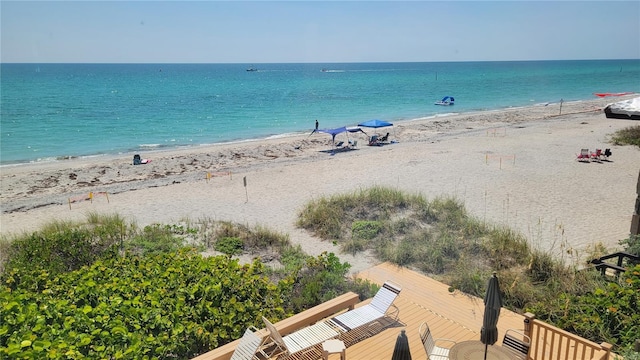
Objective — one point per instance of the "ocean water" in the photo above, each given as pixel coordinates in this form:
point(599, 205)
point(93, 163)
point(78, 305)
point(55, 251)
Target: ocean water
point(53, 111)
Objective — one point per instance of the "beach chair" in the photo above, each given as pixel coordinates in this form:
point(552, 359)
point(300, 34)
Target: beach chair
point(375, 310)
point(300, 340)
point(606, 153)
point(384, 138)
point(517, 343)
point(248, 346)
point(596, 155)
point(434, 352)
point(584, 155)
point(136, 159)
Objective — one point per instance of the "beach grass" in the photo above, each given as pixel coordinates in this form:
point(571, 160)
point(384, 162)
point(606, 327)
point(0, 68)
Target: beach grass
point(627, 136)
point(434, 236)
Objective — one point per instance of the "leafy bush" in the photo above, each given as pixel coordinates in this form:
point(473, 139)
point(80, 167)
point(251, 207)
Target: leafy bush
point(605, 314)
point(62, 247)
point(169, 305)
point(365, 229)
point(155, 239)
point(632, 245)
point(321, 279)
point(229, 245)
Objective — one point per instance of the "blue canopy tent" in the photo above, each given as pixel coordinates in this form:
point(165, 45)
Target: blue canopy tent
point(375, 123)
point(336, 131)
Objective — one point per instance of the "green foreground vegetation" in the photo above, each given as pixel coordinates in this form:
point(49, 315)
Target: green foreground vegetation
point(106, 289)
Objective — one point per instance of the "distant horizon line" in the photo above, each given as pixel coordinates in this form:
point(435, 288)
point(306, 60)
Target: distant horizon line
point(292, 62)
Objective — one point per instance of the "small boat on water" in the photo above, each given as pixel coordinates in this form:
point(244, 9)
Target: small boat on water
point(252, 69)
point(446, 101)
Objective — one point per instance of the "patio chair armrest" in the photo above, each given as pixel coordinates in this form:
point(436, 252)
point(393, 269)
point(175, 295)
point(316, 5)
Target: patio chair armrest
point(440, 340)
point(393, 312)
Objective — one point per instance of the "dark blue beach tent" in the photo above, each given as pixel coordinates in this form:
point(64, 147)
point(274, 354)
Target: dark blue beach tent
point(336, 131)
point(332, 132)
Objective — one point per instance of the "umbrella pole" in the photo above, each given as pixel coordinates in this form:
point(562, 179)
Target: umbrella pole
point(485, 351)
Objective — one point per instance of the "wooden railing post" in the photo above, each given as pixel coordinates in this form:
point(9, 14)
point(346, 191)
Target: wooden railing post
point(528, 320)
point(606, 347)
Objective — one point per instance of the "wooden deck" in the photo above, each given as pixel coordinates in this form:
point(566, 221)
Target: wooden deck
point(455, 316)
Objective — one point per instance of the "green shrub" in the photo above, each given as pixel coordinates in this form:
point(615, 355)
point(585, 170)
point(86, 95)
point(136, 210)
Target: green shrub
point(173, 305)
point(632, 244)
point(229, 245)
point(62, 247)
point(322, 279)
point(365, 229)
point(154, 239)
point(606, 314)
point(627, 136)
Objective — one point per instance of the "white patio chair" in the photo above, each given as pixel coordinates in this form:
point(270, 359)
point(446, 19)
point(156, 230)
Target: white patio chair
point(301, 339)
point(248, 346)
point(434, 352)
point(376, 309)
point(517, 343)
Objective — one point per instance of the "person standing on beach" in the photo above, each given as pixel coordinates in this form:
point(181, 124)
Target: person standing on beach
point(316, 124)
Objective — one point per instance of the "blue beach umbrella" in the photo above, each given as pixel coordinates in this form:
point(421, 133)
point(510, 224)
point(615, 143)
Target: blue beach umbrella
point(375, 123)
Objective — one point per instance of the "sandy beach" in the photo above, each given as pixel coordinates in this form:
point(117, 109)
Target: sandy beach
point(513, 167)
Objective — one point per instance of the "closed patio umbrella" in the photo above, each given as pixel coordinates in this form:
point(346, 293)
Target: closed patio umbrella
point(492, 306)
point(401, 350)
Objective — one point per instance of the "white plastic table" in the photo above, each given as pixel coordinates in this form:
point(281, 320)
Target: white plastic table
point(333, 346)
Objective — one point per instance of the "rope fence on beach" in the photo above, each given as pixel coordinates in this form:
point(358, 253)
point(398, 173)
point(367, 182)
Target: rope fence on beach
point(497, 132)
point(89, 197)
point(488, 157)
point(224, 173)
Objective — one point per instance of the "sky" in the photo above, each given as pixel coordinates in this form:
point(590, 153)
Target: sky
point(255, 32)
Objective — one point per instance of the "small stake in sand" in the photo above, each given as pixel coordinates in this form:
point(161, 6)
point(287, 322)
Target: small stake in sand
point(245, 189)
point(561, 101)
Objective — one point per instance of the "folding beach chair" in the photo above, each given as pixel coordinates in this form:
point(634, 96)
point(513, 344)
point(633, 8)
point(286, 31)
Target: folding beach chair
point(376, 309)
point(584, 155)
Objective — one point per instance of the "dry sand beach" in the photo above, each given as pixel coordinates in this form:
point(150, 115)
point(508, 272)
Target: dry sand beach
point(515, 167)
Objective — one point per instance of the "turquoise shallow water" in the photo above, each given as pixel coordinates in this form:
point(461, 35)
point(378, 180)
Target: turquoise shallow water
point(50, 111)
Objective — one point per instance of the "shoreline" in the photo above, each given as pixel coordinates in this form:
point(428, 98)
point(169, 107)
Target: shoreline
point(153, 149)
point(514, 167)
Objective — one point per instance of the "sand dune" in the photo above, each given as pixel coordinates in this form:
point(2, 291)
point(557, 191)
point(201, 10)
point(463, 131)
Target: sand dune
point(515, 167)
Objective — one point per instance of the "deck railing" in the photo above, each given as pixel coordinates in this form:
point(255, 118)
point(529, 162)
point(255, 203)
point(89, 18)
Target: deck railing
point(617, 268)
point(551, 343)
